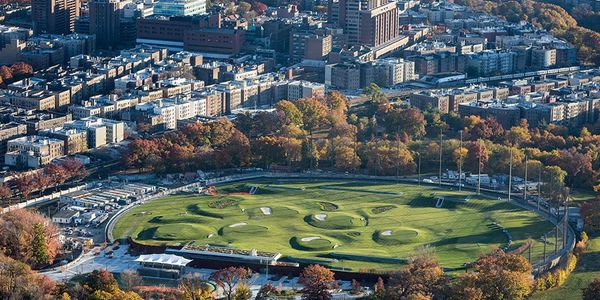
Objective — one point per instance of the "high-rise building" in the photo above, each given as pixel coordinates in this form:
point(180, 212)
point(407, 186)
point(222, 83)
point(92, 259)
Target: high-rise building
point(367, 22)
point(173, 8)
point(105, 18)
point(54, 16)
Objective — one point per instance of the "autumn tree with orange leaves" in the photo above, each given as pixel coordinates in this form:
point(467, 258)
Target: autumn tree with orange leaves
point(318, 282)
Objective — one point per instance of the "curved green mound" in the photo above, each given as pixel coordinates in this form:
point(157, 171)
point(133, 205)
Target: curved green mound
point(180, 231)
point(242, 231)
point(311, 243)
point(334, 221)
point(396, 236)
point(276, 212)
point(328, 206)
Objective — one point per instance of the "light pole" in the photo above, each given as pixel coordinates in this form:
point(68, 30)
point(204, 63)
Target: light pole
point(440, 171)
point(419, 167)
point(539, 187)
point(525, 189)
point(479, 172)
point(510, 175)
point(460, 162)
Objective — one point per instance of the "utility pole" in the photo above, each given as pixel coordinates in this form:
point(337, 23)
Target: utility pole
point(479, 173)
point(440, 172)
point(419, 167)
point(530, 245)
point(510, 175)
point(525, 189)
point(566, 221)
point(460, 162)
point(556, 237)
point(545, 240)
point(398, 157)
point(539, 187)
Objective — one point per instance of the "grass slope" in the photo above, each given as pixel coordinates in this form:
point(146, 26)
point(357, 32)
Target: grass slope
point(357, 213)
point(588, 268)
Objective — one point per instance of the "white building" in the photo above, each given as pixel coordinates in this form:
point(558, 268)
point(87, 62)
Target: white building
point(170, 110)
point(180, 7)
point(65, 217)
point(392, 71)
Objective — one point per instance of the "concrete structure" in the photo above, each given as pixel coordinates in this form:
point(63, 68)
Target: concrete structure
point(180, 7)
point(105, 23)
point(10, 131)
point(75, 140)
point(391, 71)
point(54, 16)
point(12, 42)
point(370, 22)
point(65, 217)
point(304, 89)
point(99, 131)
point(33, 151)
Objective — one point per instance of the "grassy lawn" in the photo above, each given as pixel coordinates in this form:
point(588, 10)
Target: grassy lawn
point(582, 195)
point(311, 219)
point(588, 268)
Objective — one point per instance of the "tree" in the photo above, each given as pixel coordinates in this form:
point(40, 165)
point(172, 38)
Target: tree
point(6, 74)
point(141, 153)
point(317, 282)
point(5, 192)
point(41, 181)
point(101, 281)
point(314, 114)
point(423, 276)
point(518, 136)
point(194, 288)
point(21, 69)
point(267, 292)
point(19, 228)
point(24, 184)
point(409, 121)
point(57, 173)
point(389, 158)
point(379, 289)
point(18, 281)
point(228, 278)
point(242, 292)
point(74, 168)
point(592, 291)
point(291, 112)
point(243, 7)
point(39, 246)
point(498, 276)
point(130, 279)
point(375, 95)
point(553, 187)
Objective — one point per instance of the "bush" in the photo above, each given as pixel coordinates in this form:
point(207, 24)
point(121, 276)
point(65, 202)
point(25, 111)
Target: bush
point(558, 277)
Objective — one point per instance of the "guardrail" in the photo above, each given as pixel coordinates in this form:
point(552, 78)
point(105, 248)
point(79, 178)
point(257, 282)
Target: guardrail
point(44, 199)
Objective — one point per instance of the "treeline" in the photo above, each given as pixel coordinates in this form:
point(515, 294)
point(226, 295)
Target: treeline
point(52, 175)
point(550, 17)
point(379, 139)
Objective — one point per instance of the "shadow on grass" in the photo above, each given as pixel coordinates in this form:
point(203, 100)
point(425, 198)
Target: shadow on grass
point(147, 234)
point(195, 209)
point(494, 237)
point(423, 201)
